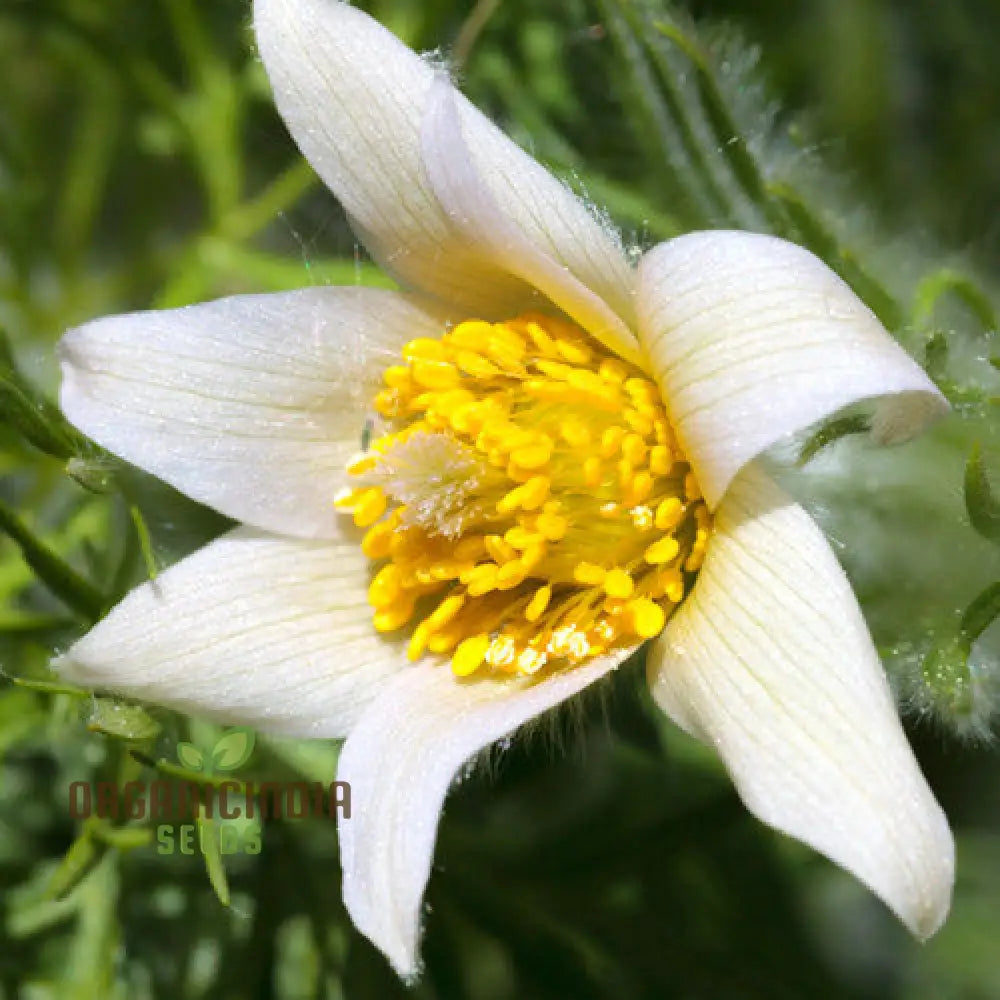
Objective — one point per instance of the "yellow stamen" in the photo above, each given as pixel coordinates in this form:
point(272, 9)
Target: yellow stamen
point(529, 501)
point(538, 603)
point(470, 655)
point(618, 583)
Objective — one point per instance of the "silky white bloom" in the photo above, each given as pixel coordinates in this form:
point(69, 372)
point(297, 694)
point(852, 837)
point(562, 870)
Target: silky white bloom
point(600, 419)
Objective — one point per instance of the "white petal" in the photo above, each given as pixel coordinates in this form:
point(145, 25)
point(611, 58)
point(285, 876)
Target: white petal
point(400, 760)
point(257, 629)
point(250, 404)
point(753, 338)
point(353, 97)
point(769, 660)
point(474, 212)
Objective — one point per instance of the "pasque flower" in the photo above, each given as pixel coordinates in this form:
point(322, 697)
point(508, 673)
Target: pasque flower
point(559, 466)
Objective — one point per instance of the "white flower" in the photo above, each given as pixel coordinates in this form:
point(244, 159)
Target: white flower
point(254, 405)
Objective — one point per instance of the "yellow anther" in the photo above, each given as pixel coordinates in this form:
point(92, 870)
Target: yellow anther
point(574, 433)
point(445, 612)
point(346, 498)
point(609, 509)
point(640, 422)
point(551, 526)
point(520, 537)
point(499, 549)
point(692, 490)
point(385, 587)
point(377, 540)
point(593, 472)
point(589, 574)
point(694, 562)
point(394, 617)
point(669, 514)
point(555, 369)
point(435, 374)
point(634, 449)
point(589, 382)
point(648, 618)
point(473, 334)
point(480, 579)
point(533, 554)
point(361, 463)
point(552, 392)
point(574, 353)
point(504, 342)
point(536, 491)
point(419, 403)
point(617, 583)
point(470, 547)
point(397, 377)
point(533, 456)
point(387, 402)
point(418, 641)
point(545, 344)
point(538, 603)
point(671, 583)
point(510, 575)
point(511, 500)
point(641, 389)
point(446, 403)
point(612, 370)
point(469, 655)
point(662, 551)
point(611, 439)
point(450, 570)
point(445, 641)
point(425, 349)
point(509, 436)
point(639, 489)
point(661, 461)
point(369, 506)
point(476, 365)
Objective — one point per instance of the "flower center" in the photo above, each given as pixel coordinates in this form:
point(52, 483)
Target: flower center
point(527, 498)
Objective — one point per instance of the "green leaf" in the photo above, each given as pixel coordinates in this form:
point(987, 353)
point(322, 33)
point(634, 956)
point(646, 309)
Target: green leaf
point(36, 419)
point(95, 473)
point(64, 581)
point(945, 668)
point(831, 431)
point(233, 749)
point(120, 719)
point(981, 613)
point(660, 111)
point(83, 855)
point(732, 142)
point(946, 673)
point(936, 355)
point(124, 838)
point(935, 286)
point(980, 500)
point(145, 542)
point(190, 756)
point(208, 837)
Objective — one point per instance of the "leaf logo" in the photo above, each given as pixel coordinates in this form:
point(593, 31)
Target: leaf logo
point(231, 751)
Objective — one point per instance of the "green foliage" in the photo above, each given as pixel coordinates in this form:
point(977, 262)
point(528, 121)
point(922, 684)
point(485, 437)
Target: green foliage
point(142, 165)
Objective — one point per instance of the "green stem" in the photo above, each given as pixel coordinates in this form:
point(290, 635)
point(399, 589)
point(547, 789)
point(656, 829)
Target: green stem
point(64, 581)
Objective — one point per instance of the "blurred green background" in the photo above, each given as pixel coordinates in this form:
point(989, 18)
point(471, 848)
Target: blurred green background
point(142, 163)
